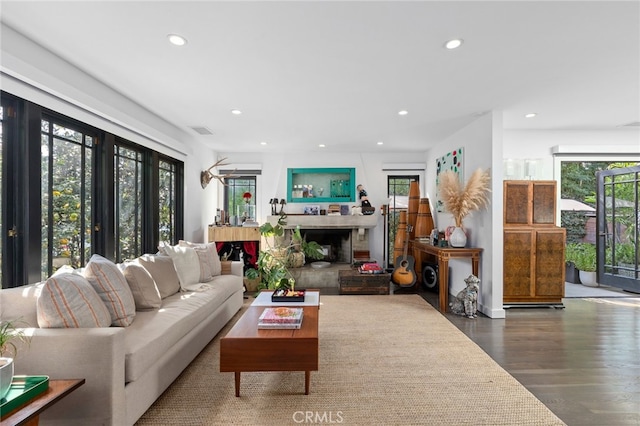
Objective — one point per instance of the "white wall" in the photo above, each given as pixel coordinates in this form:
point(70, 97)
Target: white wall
point(272, 183)
point(481, 142)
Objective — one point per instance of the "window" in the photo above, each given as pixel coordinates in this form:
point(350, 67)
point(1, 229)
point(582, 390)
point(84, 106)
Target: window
point(128, 176)
point(398, 192)
point(69, 190)
point(167, 194)
point(240, 206)
point(66, 209)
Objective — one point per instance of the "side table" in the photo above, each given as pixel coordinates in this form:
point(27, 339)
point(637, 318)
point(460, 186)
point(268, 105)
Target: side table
point(28, 414)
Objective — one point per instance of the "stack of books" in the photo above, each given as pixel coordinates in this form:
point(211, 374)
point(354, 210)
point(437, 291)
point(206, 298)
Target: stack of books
point(281, 318)
point(370, 268)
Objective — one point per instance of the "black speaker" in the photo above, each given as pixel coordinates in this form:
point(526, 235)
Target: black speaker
point(430, 276)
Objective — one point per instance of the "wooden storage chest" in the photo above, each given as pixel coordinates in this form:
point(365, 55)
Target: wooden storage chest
point(353, 282)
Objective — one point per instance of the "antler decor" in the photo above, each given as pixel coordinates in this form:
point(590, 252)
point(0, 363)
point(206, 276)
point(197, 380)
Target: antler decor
point(206, 175)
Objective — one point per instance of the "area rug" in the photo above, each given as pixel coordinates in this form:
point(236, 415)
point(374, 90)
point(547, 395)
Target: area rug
point(384, 360)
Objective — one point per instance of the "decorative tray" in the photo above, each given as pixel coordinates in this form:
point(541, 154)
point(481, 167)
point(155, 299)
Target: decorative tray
point(287, 296)
point(22, 390)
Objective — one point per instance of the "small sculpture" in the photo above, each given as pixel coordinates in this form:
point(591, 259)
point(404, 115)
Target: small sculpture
point(466, 302)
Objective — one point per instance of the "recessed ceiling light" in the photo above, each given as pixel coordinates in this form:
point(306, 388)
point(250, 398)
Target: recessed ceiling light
point(530, 115)
point(236, 112)
point(263, 143)
point(380, 143)
point(322, 145)
point(177, 40)
point(403, 112)
point(454, 44)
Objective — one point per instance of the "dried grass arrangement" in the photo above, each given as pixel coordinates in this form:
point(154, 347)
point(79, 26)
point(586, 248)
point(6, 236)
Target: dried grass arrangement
point(461, 201)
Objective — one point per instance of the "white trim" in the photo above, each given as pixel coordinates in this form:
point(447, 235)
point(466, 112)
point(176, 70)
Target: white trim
point(594, 149)
point(403, 166)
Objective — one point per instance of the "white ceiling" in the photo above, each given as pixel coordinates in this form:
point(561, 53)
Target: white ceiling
point(337, 73)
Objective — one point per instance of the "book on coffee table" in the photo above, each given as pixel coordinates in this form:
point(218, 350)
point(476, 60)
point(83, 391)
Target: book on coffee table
point(281, 317)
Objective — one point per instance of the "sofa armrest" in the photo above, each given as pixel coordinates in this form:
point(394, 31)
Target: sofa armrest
point(94, 354)
point(234, 267)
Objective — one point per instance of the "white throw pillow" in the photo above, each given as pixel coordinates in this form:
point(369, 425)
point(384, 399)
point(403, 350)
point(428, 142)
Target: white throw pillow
point(208, 257)
point(145, 292)
point(163, 272)
point(187, 264)
point(67, 300)
point(112, 287)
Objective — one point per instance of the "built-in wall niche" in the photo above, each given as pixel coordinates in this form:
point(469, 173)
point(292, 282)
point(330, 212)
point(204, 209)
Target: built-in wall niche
point(321, 185)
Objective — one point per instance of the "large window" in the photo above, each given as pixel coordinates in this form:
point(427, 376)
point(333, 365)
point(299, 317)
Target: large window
point(128, 181)
point(67, 156)
point(70, 190)
point(240, 198)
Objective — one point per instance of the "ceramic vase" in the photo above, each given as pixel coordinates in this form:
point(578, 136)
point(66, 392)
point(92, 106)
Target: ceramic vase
point(458, 238)
point(6, 375)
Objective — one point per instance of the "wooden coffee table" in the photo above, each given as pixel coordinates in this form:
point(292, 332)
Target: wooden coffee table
point(246, 348)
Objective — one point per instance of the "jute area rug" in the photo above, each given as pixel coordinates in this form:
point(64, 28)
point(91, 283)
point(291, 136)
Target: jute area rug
point(384, 360)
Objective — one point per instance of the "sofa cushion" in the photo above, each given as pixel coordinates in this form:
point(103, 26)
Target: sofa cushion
point(153, 333)
point(143, 287)
point(163, 272)
point(111, 285)
point(210, 265)
point(187, 264)
point(70, 301)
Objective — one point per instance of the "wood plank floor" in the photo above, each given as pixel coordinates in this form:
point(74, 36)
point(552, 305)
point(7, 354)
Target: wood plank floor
point(583, 361)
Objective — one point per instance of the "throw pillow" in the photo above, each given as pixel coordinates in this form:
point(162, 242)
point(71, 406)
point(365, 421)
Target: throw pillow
point(163, 272)
point(111, 285)
point(143, 287)
point(210, 265)
point(69, 301)
point(187, 265)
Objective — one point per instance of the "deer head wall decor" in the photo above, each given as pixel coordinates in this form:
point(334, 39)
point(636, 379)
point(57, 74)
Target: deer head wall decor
point(206, 175)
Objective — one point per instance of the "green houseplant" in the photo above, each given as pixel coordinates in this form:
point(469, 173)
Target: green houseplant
point(586, 263)
point(275, 261)
point(10, 333)
point(571, 253)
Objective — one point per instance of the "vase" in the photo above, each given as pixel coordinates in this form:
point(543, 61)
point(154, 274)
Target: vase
point(6, 375)
point(588, 278)
point(458, 238)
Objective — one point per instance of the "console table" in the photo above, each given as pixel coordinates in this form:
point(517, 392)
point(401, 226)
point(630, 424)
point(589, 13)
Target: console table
point(442, 255)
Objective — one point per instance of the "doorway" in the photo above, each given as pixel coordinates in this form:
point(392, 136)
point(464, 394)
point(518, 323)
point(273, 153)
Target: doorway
point(617, 224)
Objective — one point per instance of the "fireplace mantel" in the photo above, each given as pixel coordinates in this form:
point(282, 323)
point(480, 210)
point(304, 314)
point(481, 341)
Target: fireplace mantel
point(328, 222)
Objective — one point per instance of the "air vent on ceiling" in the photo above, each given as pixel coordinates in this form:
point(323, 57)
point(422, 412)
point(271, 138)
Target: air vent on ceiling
point(632, 124)
point(202, 131)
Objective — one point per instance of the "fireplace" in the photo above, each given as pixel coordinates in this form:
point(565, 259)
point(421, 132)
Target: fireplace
point(340, 235)
point(336, 243)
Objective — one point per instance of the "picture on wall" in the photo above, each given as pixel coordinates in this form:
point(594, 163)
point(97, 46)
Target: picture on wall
point(451, 161)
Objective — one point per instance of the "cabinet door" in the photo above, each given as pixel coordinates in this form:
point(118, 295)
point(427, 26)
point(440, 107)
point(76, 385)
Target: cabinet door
point(544, 202)
point(550, 270)
point(518, 265)
point(517, 202)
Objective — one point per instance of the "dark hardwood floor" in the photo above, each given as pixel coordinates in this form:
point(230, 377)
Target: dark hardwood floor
point(583, 361)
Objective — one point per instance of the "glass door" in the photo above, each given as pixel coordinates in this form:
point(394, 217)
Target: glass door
point(618, 221)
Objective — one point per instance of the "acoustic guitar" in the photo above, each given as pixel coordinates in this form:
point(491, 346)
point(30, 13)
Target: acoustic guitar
point(404, 273)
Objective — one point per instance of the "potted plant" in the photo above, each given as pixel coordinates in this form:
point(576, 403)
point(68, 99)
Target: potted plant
point(10, 331)
point(586, 263)
point(572, 274)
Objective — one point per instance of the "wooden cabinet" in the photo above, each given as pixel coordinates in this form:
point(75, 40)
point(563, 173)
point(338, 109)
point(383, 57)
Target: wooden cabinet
point(534, 265)
point(233, 233)
point(529, 202)
point(533, 246)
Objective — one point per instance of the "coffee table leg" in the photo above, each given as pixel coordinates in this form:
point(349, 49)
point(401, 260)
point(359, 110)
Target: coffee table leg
point(307, 380)
point(237, 383)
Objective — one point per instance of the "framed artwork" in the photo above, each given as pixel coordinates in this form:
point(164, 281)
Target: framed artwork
point(451, 161)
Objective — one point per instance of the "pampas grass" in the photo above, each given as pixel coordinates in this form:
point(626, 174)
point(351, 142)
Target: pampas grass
point(461, 201)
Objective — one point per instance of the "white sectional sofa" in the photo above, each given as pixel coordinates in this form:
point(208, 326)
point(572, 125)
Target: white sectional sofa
point(126, 368)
